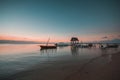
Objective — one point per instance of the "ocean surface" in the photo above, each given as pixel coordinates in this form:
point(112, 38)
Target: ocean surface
point(16, 58)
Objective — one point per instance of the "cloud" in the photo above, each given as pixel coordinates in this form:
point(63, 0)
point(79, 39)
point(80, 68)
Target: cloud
point(105, 37)
point(110, 37)
point(118, 36)
point(112, 41)
point(18, 42)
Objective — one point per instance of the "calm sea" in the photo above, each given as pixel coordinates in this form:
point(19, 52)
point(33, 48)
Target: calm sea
point(15, 58)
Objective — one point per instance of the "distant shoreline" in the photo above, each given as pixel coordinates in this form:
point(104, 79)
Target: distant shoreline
point(21, 42)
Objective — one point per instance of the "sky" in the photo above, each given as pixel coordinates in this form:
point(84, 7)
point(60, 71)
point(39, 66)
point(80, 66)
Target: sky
point(37, 20)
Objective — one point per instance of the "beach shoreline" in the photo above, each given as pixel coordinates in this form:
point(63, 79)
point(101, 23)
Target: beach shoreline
point(92, 69)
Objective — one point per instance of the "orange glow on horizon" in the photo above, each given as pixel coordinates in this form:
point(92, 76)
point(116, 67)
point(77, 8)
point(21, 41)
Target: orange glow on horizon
point(6, 37)
point(55, 38)
point(36, 39)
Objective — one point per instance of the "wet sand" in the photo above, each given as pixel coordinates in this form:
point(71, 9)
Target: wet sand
point(104, 67)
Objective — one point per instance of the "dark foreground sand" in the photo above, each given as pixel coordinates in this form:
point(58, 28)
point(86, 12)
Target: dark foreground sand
point(105, 67)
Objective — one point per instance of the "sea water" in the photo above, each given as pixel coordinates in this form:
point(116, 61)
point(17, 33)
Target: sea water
point(15, 58)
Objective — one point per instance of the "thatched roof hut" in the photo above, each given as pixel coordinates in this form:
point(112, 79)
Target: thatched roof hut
point(74, 39)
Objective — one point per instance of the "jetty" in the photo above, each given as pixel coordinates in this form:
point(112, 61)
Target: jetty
point(75, 43)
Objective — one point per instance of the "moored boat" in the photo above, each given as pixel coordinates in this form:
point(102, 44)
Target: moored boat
point(48, 47)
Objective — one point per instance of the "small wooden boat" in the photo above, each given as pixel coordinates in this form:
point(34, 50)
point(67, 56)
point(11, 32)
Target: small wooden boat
point(48, 46)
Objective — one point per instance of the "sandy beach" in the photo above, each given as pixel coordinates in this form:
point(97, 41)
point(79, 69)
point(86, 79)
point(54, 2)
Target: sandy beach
point(104, 67)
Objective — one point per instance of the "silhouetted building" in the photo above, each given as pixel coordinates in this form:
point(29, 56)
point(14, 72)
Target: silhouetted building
point(74, 41)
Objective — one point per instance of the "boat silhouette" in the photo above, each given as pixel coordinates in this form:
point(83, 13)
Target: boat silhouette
point(48, 46)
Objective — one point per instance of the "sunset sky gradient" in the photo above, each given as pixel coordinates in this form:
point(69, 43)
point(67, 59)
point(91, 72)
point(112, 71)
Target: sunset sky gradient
point(37, 20)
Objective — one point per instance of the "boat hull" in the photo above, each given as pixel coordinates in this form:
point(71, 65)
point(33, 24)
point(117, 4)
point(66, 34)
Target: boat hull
point(48, 47)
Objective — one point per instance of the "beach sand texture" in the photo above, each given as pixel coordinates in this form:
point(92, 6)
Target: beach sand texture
point(104, 67)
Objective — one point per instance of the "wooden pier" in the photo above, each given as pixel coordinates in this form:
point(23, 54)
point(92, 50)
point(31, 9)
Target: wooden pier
point(75, 43)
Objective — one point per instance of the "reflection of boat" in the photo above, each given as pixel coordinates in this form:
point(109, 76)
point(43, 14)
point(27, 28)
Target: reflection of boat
point(47, 47)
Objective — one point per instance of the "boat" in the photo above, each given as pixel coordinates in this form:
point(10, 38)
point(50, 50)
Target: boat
point(109, 45)
point(48, 46)
point(103, 46)
point(112, 45)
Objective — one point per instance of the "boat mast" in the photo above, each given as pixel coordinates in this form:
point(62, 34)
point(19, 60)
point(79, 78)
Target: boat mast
point(47, 42)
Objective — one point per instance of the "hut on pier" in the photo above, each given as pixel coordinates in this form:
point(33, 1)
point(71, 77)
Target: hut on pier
point(74, 41)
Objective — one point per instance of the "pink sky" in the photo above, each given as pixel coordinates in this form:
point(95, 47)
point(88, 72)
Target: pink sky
point(59, 39)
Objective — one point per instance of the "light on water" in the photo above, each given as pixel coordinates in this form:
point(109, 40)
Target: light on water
point(19, 57)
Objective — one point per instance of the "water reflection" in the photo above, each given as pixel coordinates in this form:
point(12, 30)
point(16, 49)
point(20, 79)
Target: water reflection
point(62, 47)
point(48, 50)
point(9, 49)
point(74, 51)
point(106, 55)
point(24, 56)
